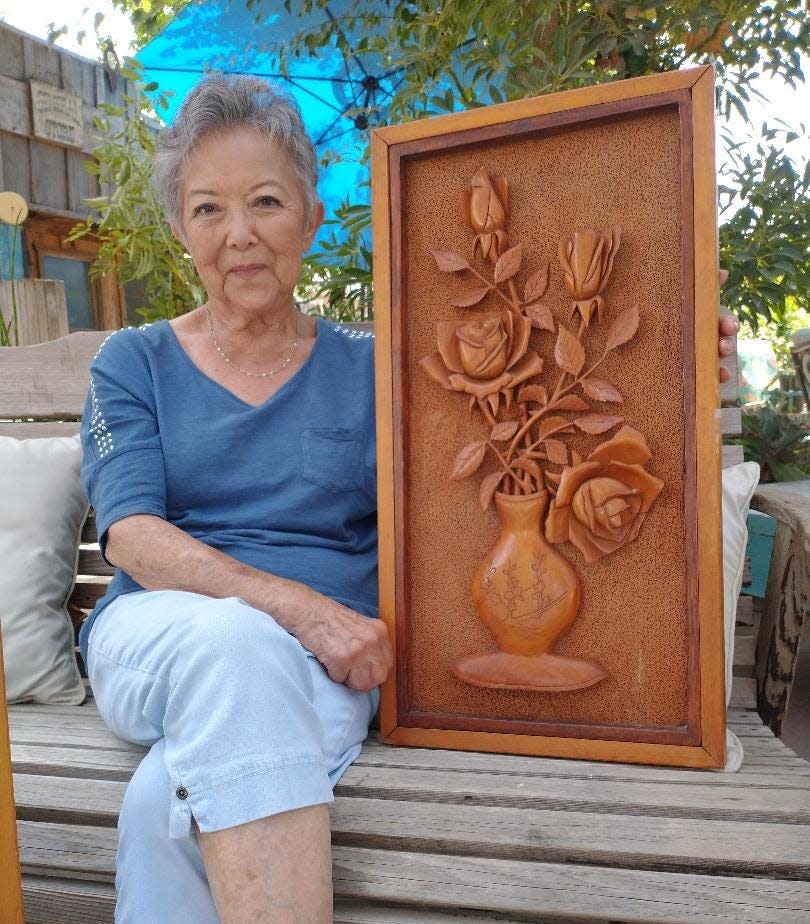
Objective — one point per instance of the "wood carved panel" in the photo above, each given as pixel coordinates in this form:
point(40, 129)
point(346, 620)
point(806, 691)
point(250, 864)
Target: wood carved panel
point(545, 276)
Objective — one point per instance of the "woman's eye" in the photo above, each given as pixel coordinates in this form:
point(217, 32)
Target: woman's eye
point(267, 201)
point(206, 208)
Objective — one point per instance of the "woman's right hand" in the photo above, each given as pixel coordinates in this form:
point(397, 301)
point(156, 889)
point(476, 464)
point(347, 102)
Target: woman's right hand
point(354, 649)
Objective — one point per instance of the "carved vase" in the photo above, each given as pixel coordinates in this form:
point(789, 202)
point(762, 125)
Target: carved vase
point(527, 595)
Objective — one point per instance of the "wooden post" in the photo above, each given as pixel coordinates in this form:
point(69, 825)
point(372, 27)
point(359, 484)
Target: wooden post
point(11, 904)
point(41, 309)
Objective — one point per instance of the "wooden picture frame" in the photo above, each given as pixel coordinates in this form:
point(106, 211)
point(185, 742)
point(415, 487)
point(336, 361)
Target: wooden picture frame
point(11, 906)
point(607, 135)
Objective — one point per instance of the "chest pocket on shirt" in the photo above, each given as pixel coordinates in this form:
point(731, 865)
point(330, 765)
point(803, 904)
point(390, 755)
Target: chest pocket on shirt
point(332, 457)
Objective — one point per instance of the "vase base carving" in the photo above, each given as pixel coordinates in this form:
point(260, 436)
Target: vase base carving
point(546, 672)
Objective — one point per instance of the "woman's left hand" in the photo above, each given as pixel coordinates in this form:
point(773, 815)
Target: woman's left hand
point(729, 326)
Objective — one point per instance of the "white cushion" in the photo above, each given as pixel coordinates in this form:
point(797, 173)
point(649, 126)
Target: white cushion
point(42, 510)
point(739, 482)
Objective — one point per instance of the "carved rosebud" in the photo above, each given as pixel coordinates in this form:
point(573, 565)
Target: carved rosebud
point(602, 502)
point(587, 259)
point(484, 205)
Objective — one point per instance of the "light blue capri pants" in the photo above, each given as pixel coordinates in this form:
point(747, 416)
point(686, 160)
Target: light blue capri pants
point(243, 722)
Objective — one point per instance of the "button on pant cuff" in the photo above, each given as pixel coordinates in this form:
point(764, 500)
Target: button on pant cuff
point(238, 800)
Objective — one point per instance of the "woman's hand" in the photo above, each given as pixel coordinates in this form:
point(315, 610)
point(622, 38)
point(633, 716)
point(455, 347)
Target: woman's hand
point(729, 326)
point(353, 648)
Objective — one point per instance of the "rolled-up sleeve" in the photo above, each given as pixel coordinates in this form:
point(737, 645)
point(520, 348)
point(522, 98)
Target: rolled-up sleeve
point(122, 470)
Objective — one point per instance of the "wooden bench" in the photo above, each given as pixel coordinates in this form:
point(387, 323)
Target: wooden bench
point(431, 836)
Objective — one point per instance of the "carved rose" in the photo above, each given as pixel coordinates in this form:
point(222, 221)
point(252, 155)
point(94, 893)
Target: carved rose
point(483, 355)
point(602, 502)
point(484, 206)
point(587, 259)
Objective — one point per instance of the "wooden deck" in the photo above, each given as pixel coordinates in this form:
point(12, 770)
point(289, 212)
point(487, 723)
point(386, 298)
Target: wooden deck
point(438, 837)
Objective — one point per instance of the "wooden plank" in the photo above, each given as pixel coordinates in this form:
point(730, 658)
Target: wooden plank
point(507, 886)
point(12, 61)
point(16, 165)
point(560, 891)
point(744, 652)
point(87, 593)
point(732, 454)
point(48, 176)
point(730, 421)
point(743, 691)
point(10, 889)
point(15, 106)
point(91, 563)
point(49, 379)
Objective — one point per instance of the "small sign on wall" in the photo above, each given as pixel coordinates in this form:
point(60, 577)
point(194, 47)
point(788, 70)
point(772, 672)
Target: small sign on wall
point(57, 115)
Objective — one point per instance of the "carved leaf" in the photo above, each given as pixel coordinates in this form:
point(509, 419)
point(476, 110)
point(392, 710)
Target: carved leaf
point(494, 402)
point(597, 423)
point(508, 263)
point(553, 477)
point(489, 486)
point(557, 452)
point(532, 393)
point(449, 262)
point(536, 284)
point(600, 390)
point(623, 328)
point(470, 297)
point(504, 431)
point(540, 316)
point(468, 460)
point(530, 466)
point(569, 353)
point(571, 403)
point(552, 423)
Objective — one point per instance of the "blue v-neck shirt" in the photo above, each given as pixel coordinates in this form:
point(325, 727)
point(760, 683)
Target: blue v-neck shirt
point(288, 487)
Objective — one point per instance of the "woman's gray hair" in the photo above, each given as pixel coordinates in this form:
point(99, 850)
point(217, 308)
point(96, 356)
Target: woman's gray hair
point(223, 101)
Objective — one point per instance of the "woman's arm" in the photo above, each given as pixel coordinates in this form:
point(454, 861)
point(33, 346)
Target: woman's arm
point(354, 649)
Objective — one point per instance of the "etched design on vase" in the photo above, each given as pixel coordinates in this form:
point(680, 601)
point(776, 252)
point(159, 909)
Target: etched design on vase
point(527, 595)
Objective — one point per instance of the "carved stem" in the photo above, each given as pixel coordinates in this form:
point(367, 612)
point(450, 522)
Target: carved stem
point(486, 412)
point(492, 287)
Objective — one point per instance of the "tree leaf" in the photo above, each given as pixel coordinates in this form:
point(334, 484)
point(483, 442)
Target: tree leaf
point(470, 297)
point(532, 393)
point(571, 403)
point(489, 486)
point(551, 423)
point(468, 460)
point(536, 284)
point(540, 316)
point(449, 262)
point(623, 328)
point(599, 390)
point(508, 263)
point(557, 452)
point(569, 353)
point(504, 431)
point(597, 423)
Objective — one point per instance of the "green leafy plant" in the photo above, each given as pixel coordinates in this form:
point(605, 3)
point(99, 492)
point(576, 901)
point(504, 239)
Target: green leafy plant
point(128, 222)
point(779, 444)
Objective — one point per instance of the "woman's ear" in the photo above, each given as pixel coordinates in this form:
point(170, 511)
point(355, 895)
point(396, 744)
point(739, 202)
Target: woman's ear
point(315, 221)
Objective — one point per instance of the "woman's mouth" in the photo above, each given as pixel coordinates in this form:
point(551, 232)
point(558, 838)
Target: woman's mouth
point(249, 269)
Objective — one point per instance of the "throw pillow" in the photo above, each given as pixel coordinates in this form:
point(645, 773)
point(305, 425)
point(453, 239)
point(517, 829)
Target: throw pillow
point(739, 482)
point(41, 516)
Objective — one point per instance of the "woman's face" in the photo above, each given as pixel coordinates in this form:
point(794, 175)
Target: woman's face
point(243, 220)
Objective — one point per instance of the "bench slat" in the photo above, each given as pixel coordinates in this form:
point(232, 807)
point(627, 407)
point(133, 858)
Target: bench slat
point(569, 891)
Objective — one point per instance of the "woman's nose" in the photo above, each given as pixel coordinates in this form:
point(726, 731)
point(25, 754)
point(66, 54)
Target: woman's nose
point(241, 228)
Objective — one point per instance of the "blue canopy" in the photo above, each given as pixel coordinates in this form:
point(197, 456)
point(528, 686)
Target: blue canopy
point(340, 96)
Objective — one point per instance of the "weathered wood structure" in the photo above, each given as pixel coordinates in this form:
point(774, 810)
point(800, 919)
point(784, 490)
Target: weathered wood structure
point(41, 158)
point(433, 836)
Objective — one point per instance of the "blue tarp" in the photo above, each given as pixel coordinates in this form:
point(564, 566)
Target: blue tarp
point(222, 35)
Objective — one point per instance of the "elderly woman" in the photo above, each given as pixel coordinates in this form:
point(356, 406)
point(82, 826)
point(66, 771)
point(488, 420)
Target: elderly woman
point(229, 455)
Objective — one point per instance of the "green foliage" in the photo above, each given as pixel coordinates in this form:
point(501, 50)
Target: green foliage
point(466, 53)
point(776, 442)
point(763, 241)
point(149, 17)
point(129, 224)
